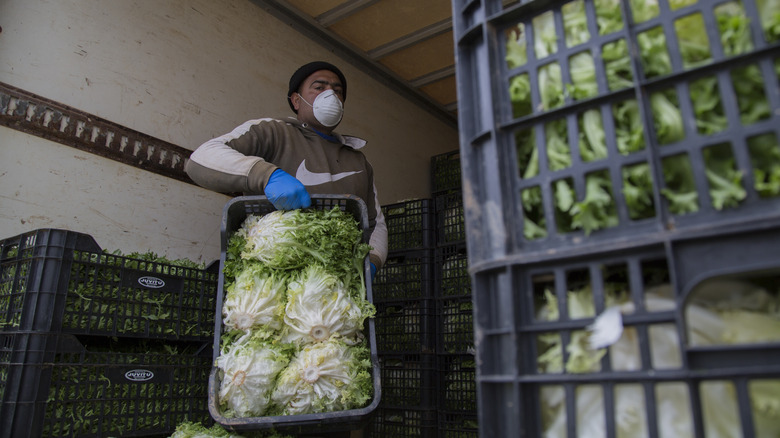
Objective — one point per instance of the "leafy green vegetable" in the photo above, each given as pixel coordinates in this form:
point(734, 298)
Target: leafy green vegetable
point(593, 145)
point(558, 154)
point(597, 209)
point(255, 299)
point(765, 159)
point(323, 377)
point(294, 314)
point(725, 181)
point(190, 429)
point(638, 191)
point(249, 368)
point(583, 76)
point(680, 188)
point(719, 312)
point(320, 307)
point(574, 23)
point(88, 398)
point(629, 129)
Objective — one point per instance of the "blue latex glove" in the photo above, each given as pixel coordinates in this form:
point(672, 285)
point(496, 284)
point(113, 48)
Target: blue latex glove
point(285, 192)
point(373, 272)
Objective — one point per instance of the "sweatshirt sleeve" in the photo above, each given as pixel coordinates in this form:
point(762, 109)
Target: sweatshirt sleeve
point(378, 238)
point(232, 162)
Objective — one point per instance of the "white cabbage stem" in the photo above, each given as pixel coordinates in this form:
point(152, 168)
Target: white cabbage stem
point(311, 373)
point(319, 333)
point(239, 377)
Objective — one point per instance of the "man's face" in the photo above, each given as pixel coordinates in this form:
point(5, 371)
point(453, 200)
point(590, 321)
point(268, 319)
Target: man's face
point(315, 84)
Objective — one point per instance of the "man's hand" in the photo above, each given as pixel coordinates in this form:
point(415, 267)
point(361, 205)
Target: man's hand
point(285, 192)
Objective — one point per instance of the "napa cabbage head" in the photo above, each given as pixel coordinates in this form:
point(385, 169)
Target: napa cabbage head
point(319, 306)
point(255, 299)
point(272, 239)
point(323, 377)
point(291, 240)
point(248, 370)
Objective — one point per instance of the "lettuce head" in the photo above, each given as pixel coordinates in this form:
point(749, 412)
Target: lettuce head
point(255, 299)
point(322, 377)
point(319, 307)
point(249, 369)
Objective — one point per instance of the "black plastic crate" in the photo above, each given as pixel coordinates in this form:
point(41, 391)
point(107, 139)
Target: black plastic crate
point(403, 422)
point(61, 281)
point(60, 385)
point(234, 214)
point(410, 225)
point(457, 425)
point(591, 133)
point(405, 326)
point(450, 219)
point(696, 313)
point(455, 325)
point(452, 272)
point(445, 172)
point(458, 385)
point(616, 162)
point(405, 275)
point(408, 380)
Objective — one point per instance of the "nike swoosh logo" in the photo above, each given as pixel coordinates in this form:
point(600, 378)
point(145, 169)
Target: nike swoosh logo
point(309, 178)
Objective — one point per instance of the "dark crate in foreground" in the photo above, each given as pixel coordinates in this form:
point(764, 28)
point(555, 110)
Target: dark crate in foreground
point(59, 385)
point(695, 352)
point(55, 280)
point(234, 214)
point(621, 167)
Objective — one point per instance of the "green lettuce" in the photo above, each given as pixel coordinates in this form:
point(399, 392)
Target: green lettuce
point(322, 377)
point(249, 368)
point(255, 299)
point(320, 307)
point(294, 281)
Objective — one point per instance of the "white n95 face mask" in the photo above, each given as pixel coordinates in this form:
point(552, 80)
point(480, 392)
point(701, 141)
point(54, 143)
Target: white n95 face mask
point(327, 108)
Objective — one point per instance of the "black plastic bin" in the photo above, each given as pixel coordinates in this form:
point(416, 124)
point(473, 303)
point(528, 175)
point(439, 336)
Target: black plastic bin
point(408, 380)
point(234, 214)
point(410, 225)
point(409, 422)
point(406, 275)
point(61, 281)
point(596, 177)
point(61, 385)
point(450, 219)
point(445, 172)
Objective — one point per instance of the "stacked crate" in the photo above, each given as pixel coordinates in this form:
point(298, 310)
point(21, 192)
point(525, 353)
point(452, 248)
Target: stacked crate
point(403, 296)
point(457, 402)
point(631, 152)
point(95, 344)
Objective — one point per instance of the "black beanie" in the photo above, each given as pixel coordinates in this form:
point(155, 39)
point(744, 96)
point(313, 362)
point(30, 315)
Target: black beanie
point(305, 71)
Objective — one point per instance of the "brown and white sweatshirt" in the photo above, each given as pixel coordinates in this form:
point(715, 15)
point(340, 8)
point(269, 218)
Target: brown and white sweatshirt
point(243, 160)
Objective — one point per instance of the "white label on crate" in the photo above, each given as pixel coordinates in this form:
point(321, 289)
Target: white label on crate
point(139, 375)
point(152, 282)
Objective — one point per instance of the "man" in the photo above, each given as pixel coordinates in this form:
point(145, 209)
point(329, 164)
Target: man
point(261, 156)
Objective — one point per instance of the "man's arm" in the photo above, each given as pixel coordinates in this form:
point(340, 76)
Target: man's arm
point(227, 164)
point(378, 239)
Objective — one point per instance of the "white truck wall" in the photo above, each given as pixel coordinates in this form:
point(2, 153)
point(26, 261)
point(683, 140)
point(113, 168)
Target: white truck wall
point(183, 71)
